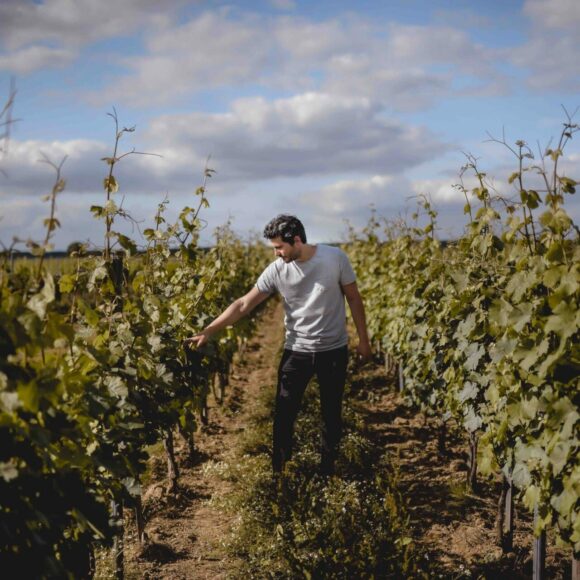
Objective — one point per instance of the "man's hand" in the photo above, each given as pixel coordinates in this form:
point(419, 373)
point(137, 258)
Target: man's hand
point(197, 340)
point(236, 310)
point(364, 351)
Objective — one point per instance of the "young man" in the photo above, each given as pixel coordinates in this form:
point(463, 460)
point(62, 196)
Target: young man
point(313, 281)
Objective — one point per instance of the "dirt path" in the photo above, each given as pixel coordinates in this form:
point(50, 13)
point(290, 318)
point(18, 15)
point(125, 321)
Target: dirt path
point(185, 531)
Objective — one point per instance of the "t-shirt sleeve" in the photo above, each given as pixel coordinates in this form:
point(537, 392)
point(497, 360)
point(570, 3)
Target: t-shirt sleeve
point(347, 275)
point(266, 282)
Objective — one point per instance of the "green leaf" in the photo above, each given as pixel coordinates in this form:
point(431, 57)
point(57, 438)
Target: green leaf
point(534, 199)
point(97, 210)
point(91, 316)
point(51, 223)
point(519, 284)
point(520, 316)
point(132, 486)
point(552, 275)
point(8, 471)
point(500, 311)
point(66, 283)
point(555, 252)
point(127, 243)
point(559, 456)
point(29, 395)
point(521, 476)
point(531, 497)
point(474, 353)
point(568, 185)
point(471, 421)
point(504, 347)
point(110, 184)
point(117, 387)
point(565, 501)
point(564, 321)
point(534, 354)
point(468, 392)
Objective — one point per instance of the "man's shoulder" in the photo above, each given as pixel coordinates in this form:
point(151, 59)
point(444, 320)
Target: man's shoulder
point(331, 250)
point(274, 266)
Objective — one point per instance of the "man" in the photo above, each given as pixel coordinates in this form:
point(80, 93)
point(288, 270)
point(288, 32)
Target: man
point(313, 281)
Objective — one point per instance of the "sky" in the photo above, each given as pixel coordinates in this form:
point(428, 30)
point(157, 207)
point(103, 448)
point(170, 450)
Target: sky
point(327, 110)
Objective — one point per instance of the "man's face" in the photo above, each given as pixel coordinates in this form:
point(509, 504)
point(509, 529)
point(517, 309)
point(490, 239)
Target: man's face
point(284, 250)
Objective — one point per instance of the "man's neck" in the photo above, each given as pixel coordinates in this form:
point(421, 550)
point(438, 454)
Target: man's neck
point(307, 251)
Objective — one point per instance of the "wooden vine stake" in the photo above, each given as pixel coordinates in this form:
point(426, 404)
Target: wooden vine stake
point(539, 552)
point(223, 383)
point(472, 475)
point(189, 441)
point(390, 365)
point(172, 469)
point(204, 413)
point(139, 519)
point(401, 378)
point(119, 541)
point(505, 516)
point(116, 274)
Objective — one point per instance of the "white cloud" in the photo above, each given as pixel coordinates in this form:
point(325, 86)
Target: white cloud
point(31, 58)
point(208, 51)
point(27, 175)
point(76, 22)
point(312, 134)
point(342, 197)
point(47, 34)
point(552, 52)
point(543, 57)
point(555, 14)
point(439, 190)
point(403, 66)
point(309, 134)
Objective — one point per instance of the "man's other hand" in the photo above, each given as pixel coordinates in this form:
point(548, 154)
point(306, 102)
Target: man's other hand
point(364, 351)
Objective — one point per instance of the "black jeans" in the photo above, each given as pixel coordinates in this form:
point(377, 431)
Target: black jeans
point(295, 371)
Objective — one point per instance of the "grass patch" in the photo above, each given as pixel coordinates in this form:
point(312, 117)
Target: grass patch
point(303, 525)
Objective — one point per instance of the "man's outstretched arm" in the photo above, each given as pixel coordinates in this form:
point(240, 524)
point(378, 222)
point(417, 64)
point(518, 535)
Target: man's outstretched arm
point(236, 310)
point(357, 310)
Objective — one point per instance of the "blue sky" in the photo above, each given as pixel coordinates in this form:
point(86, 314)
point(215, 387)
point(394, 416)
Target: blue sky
point(323, 109)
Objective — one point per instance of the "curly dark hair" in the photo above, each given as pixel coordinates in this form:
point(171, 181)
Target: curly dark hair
point(285, 227)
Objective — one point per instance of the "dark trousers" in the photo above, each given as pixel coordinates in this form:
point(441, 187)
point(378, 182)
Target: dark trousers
point(295, 371)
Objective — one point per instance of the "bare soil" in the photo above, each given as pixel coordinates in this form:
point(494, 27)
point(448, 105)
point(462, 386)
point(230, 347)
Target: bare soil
point(454, 530)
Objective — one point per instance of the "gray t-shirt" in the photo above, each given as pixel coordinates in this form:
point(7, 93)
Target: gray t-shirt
point(313, 298)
